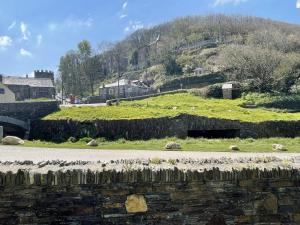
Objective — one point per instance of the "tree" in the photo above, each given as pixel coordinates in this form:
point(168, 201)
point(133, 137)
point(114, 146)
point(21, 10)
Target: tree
point(85, 49)
point(87, 64)
point(170, 64)
point(69, 68)
point(253, 63)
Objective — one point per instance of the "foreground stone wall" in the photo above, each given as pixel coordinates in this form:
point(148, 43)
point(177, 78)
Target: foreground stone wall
point(158, 128)
point(151, 197)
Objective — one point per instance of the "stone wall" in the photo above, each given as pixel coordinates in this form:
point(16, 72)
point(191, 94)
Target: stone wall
point(247, 197)
point(196, 81)
point(28, 110)
point(158, 128)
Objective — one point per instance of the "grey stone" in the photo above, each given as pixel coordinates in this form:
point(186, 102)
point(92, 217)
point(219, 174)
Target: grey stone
point(92, 143)
point(172, 146)
point(12, 140)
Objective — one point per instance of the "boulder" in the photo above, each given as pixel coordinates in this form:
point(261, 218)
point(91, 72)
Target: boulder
point(12, 140)
point(234, 148)
point(72, 139)
point(172, 146)
point(92, 143)
point(279, 147)
point(136, 204)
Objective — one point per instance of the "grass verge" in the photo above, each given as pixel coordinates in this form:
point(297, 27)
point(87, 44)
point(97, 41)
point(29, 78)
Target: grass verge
point(189, 144)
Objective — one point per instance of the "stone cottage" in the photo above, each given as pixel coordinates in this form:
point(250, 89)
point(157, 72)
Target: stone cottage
point(39, 86)
point(127, 89)
point(6, 95)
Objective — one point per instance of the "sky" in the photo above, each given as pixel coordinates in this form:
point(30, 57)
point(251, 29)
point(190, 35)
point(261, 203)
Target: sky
point(34, 34)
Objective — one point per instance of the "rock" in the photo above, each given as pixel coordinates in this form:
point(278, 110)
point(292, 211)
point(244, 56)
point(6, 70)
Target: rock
point(72, 139)
point(12, 140)
point(234, 148)
point(279, 147)
point(268, 205)
point(172, 146)
point(136, 204)
point(217, 220)
point(92, 143)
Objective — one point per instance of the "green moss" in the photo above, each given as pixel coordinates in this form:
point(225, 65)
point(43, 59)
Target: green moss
point(173, 105)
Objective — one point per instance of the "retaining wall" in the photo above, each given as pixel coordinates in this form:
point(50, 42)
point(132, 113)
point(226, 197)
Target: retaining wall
point(169, 197)
point(157, 128)
point(28, 110)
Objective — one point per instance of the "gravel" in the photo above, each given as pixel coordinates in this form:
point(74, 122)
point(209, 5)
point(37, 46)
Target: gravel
point(41, 160)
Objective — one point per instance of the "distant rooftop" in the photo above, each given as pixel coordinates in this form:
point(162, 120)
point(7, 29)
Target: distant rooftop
point(123, 82)
point(30, 81)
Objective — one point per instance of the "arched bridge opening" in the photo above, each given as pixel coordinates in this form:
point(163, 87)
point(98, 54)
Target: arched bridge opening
point(14, 127)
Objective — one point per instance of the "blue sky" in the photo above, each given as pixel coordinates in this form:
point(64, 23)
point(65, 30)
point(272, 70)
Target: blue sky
point(35, 33)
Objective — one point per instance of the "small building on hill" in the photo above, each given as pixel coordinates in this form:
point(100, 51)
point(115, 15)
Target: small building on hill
point(231, 90)
point(6, 95)
point(127, 89)
point(39, 86)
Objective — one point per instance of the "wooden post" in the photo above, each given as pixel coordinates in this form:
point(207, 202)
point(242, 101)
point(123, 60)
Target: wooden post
point(1, 133)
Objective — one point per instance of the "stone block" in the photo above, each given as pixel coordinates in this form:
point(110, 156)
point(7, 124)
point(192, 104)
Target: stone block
point(136, 204)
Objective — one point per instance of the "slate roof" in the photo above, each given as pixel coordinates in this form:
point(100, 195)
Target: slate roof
point(124, 82)
point(30, 81)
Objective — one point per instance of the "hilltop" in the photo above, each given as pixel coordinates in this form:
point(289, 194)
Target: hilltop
point(259, 52)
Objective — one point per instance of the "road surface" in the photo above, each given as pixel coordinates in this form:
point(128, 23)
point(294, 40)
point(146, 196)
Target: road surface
point(12, 153)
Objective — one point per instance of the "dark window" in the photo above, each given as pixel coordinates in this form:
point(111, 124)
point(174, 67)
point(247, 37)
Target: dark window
point(230, 133)
point(2, 91)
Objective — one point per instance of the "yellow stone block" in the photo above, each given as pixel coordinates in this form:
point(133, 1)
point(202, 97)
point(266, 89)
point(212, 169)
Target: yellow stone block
point(136, 204)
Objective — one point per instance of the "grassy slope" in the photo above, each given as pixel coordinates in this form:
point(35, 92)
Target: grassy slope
point(189, 144)
point(172, 105)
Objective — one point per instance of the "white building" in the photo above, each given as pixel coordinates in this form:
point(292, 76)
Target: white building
point(126, 89)
point(6, 95)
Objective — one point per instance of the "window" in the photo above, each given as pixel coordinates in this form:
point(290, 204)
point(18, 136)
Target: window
point(2, 91)
point(111, 91)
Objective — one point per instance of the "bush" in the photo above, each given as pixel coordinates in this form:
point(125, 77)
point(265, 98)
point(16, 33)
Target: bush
point(211, 91)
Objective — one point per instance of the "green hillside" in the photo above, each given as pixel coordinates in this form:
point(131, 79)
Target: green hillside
point(258, 52)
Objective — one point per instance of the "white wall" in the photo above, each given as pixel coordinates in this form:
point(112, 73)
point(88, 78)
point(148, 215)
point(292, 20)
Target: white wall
point(7, 96)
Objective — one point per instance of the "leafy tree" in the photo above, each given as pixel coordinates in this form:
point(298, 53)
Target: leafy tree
point(253, 63)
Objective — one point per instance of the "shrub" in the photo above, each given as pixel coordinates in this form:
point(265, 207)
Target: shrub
point(211, 91)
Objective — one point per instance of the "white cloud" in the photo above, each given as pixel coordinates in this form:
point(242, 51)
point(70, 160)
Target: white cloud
point(125, 4)
point(12, 25)
point(52, 26)
point(122, 16)
point(39, 39)
point(5, 42)
point(298, 4)
point(223, 2)
point(133, 26)
point(26, 53)
point(24, 30)
point(71, 22)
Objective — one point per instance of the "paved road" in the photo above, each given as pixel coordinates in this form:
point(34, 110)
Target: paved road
point(10, 153)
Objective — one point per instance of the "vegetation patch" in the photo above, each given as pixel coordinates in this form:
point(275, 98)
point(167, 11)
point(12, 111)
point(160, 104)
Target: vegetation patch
point(174, 105)
point(290, 102)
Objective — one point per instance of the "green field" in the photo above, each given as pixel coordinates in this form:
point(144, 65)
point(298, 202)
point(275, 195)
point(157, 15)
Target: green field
point(189, 144)
point(173, 105)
